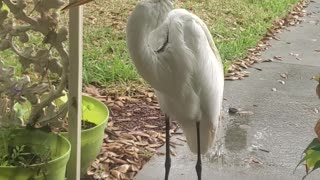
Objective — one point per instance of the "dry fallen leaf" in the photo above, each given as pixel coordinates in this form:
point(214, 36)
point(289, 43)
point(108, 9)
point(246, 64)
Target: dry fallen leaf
point(134, 168)
point(150, 126)
point(92, 90)
point(149, 99)
point(268, 60)
point(119, 103)
point(245, 113)
point(123, 168)
point(284, 75)
point(253, 160)
point(279, 58)
point(294, 54)
point(116, 174)
point(231, 78)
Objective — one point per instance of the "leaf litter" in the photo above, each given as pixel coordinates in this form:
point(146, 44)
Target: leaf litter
point(294, 17)
point(136, 129)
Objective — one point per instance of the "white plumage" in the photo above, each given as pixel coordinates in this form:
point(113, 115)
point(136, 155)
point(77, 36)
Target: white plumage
point(174, 52)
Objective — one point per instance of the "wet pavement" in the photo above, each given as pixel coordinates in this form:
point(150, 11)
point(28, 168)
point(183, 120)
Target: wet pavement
point(268, 144)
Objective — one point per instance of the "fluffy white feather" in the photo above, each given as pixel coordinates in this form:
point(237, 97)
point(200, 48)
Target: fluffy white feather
point(174, 52)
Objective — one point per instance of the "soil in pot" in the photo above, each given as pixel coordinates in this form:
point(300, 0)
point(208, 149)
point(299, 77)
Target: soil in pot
point(87, 124)
point(84, 125)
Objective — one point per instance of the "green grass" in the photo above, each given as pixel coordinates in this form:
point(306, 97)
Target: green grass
point(236, 25)
point(106, 58)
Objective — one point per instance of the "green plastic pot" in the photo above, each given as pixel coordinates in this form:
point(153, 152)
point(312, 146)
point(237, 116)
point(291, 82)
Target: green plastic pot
point(52, 170)
point(94, 111)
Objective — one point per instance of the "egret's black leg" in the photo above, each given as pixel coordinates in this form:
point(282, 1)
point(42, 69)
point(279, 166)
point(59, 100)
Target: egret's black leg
point(168, 159)
point(199, 164)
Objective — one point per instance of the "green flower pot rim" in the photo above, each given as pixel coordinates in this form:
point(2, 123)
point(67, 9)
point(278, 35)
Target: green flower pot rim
point(51, 161)
point(107, 116)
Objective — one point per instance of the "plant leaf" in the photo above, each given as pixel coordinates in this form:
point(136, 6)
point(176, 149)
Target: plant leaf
point(316, 147)
point(314, 142)
point(316, 166)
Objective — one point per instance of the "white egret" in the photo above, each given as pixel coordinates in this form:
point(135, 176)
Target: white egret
point(174, 52)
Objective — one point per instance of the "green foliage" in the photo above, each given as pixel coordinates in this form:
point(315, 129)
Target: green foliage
point(311, 157)
point(4, 7)
point(17, 156)
point(87, 106)
point(20, 155)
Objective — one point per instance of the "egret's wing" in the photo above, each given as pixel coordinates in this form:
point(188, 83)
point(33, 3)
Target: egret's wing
point(210, 39)
point(158, 38)
point(207, 33)
point(193, 78)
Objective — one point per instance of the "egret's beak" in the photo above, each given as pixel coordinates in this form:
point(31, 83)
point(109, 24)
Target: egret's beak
point(75, 4)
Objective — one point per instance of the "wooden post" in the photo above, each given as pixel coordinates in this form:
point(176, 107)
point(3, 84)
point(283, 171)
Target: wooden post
point(75, 91)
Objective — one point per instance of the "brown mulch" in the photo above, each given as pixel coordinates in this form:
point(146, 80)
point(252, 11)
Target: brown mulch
point(135, 130)
point(136, 126)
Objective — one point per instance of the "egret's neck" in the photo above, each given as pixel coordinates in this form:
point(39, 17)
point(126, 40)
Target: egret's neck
point(146, 17)
point(137, 39)
point(142, 55)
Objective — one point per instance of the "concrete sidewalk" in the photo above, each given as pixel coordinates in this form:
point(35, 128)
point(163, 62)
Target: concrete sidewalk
point(268, 144)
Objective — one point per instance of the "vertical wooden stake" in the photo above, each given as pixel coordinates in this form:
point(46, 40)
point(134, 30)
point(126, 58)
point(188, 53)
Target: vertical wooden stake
point(75, 91)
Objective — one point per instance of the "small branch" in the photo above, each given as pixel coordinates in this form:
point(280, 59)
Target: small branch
point(58, 92)
point(19, 14)
point(25, 28)
point(62, 111)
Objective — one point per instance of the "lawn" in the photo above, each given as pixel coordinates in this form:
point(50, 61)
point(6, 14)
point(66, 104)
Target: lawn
point(236, 25)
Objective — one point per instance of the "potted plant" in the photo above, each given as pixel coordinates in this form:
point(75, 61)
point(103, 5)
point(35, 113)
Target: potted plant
point(95, 116)
point(94, 119)
point(32, 154)
point(26, 153)
point(33, 32)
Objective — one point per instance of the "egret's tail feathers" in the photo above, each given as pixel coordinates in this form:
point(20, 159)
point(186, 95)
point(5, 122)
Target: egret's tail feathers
point(207, 135)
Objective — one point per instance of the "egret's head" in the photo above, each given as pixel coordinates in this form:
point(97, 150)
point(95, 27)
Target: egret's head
point(152, 13)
